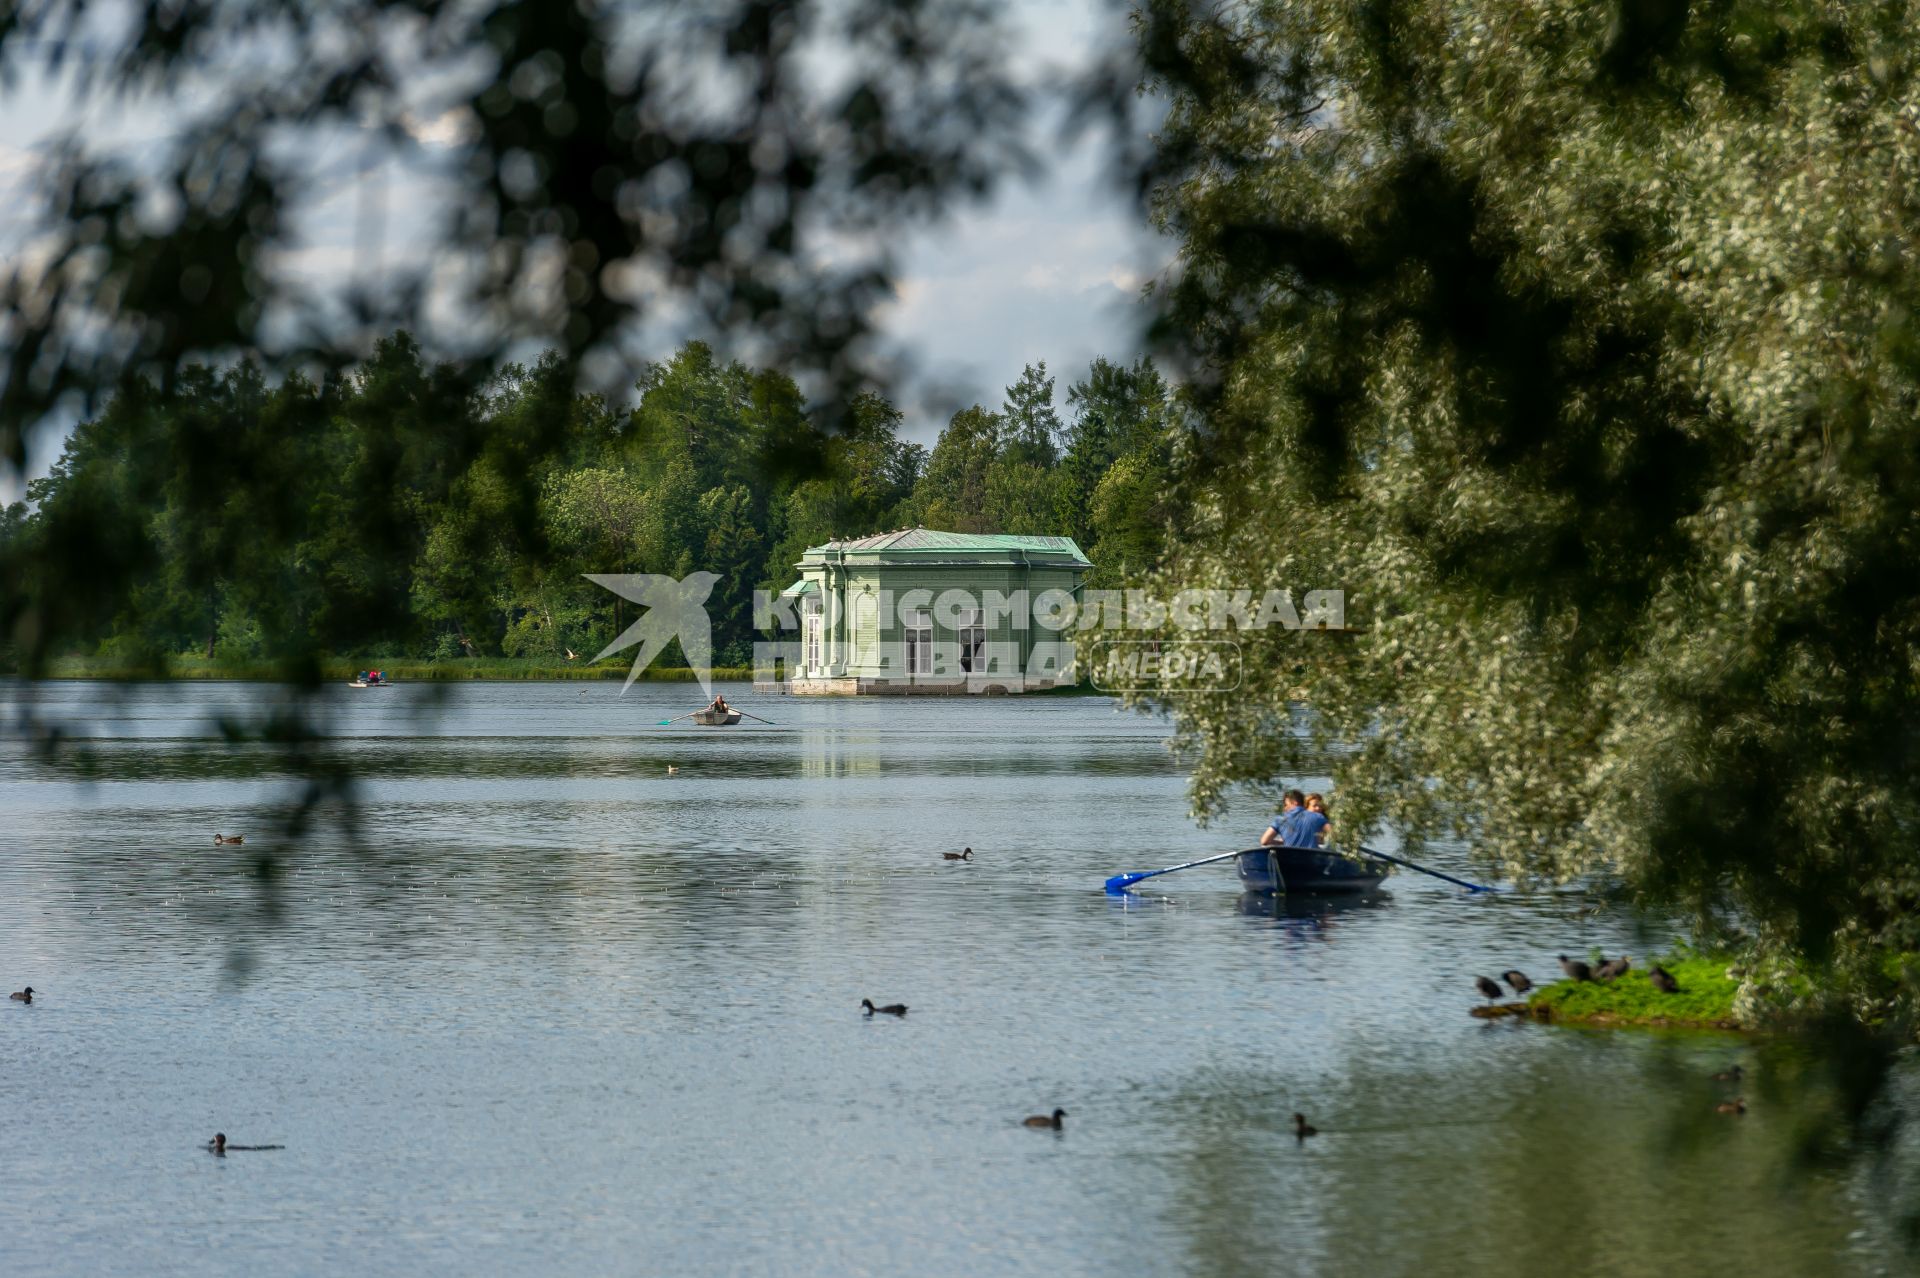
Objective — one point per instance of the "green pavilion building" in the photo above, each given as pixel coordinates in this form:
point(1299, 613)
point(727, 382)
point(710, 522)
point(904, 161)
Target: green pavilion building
point(921, 611)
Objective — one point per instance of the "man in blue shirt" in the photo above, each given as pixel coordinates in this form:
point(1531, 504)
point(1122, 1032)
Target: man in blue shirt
point(1292, 806)
point(1303, 831)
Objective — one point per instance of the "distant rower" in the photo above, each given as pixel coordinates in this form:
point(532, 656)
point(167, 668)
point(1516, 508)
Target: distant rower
point(218, 1145)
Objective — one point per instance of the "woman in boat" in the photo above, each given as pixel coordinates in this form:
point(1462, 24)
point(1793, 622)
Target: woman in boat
point(719, 705)
point(1316, 803)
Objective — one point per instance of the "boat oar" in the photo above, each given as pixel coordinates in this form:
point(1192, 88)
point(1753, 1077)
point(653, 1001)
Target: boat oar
point(1121, 882)
point(677, 718)
point(756, 718)
point(1474, 887)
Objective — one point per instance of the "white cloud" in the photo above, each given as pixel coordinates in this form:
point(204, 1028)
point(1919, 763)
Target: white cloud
point(17, 162)
point(455, 126)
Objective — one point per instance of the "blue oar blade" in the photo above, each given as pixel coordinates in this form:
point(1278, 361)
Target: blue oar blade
point(1121, 882)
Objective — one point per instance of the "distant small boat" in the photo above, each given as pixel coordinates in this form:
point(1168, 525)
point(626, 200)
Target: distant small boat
point(716, 718)
point(1292, 870)
point(370, 679)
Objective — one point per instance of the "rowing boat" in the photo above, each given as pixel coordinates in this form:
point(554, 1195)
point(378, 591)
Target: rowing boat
point(1282, 869)
point(716, 718)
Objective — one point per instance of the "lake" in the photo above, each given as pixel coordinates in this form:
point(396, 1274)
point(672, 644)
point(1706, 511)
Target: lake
point(543, 1007)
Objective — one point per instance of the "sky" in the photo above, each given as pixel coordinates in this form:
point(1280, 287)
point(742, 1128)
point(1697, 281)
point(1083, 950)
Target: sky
point(1050, 268)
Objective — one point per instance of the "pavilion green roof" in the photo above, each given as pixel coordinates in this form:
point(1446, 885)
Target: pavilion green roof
point(930, 541)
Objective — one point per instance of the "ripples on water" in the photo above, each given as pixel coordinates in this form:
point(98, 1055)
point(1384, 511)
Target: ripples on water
point(545, 1008)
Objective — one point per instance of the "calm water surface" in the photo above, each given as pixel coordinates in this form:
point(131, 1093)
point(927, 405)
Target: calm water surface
point(546, 1008)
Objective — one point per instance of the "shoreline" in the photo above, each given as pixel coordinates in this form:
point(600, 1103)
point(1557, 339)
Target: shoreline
point(401, 671)
point(462, 670)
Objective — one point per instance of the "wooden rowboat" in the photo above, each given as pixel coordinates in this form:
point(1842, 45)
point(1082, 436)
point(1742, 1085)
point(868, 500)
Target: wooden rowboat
point(716, 718)
point(1292, 870)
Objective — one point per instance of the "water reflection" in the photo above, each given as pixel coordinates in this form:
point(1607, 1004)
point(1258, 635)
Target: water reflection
point(1270, 905)
point(1569, 1154)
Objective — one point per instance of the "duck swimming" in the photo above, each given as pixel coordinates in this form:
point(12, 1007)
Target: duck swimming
point(1729, 1075)
point(1736, 1106)
point(1518, 980)
point(1302, 1128)
point(218, 839)
point(891, 1009)
point(965, 854)
point(22, 996)
point(1041, 1120)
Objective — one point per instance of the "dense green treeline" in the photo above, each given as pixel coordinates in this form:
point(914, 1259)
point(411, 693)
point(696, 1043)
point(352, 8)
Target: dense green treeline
point(425, 516)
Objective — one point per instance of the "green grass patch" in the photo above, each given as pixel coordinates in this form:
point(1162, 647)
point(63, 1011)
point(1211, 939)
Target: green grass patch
point(399, 669)
point(1705, 999)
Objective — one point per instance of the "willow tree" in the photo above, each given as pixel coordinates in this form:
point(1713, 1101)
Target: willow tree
point(1576, 343)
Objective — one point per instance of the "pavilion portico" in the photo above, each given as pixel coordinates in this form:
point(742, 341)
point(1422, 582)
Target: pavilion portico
point(924, 611)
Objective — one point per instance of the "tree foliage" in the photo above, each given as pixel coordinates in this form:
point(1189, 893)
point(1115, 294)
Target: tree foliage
point(400, 527)
point(596, 168)
point(1576, 343)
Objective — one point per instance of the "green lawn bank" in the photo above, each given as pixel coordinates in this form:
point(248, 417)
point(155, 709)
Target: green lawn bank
point(399, 669)
point(1709, 998)
point(1705, 1000)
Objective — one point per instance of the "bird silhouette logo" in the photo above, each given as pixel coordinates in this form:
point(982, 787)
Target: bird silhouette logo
point(675, 610)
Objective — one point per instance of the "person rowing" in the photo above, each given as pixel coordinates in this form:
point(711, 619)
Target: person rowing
point(218, 1145)
point(1297, 826)
point(1275, 835)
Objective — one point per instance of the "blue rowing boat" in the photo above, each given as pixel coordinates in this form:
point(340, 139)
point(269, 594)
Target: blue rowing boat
point(1292, 870)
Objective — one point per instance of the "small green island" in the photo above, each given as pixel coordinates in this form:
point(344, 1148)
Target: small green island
point(1705, 999)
